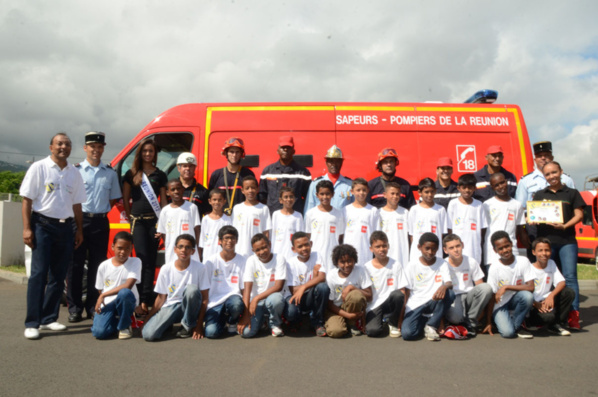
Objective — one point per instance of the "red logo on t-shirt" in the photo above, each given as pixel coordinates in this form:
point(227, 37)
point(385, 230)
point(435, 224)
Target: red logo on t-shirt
point(473, 226)
point(433, 229)
point(548, 280)
point(332, 229)
point(511, 217)
point(272, 277)
point(390, 281)
point(185, 227)
point(519, 282)
point(234, 279)
point(400, 226)
point(364, 229)
point(465, 277)
point(291, 238)
point(256, 222)
point(438, 278)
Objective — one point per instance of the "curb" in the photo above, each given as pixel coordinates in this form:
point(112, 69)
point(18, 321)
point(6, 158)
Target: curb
point(17, 278)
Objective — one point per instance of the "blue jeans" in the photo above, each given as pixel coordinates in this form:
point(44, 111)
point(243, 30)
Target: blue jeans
point(314, 301)
point(185, 311)
point(273, 305)
point(54, 243)
point(115, 316)
point(216, 317)
point(415, 321)
point(565, 257)
point(508, 318)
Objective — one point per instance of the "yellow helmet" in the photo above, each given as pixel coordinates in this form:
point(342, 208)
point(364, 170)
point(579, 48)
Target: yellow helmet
point(334, 153)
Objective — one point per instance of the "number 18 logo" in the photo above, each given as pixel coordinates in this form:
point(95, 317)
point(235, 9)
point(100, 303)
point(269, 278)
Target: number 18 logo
point(466, 158)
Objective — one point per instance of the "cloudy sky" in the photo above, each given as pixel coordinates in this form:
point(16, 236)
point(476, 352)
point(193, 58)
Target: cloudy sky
point(113, 66)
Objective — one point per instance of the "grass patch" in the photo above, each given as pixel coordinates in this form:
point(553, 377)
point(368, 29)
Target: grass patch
point(14, 268)
point(587, 272)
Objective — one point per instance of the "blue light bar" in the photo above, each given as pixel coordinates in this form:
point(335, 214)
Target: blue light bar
point(483, 96)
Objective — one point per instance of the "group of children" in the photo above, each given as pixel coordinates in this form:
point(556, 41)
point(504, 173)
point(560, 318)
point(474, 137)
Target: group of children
point(353, 270)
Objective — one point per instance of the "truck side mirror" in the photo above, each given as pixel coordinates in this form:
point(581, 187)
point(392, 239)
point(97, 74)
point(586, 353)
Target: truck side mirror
point(251, 161)
point(306, 160)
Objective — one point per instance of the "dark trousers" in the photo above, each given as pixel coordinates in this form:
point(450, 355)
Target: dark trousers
point(146, 249)
point(314, 301)
point(415, 321)
point(559, 314)
point(391, 308)
point(96, 232)
point(51, 256)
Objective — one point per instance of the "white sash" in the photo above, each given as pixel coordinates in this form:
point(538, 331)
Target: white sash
point(146, 187)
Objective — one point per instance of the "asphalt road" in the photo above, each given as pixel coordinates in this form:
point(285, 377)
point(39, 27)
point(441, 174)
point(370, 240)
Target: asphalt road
point(74, 363)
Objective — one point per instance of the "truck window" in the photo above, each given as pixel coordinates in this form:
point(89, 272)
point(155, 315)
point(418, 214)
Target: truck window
point(587, 216)
point(171, 144)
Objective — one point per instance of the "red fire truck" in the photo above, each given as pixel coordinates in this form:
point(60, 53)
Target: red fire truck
point(587, 229)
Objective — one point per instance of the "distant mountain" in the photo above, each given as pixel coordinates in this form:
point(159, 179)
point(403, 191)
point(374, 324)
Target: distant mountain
point(4, 166)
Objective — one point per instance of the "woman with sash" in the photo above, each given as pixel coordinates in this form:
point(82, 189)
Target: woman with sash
point(146, 185)
point(562, 235)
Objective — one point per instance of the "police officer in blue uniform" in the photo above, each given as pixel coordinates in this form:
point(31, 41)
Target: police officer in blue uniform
point(103, 191)
point(342, 185)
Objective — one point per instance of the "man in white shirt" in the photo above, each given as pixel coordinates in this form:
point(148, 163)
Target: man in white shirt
point(52, 191)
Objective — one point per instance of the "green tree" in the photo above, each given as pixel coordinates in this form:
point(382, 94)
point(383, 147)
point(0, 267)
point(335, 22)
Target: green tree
point(10, 182)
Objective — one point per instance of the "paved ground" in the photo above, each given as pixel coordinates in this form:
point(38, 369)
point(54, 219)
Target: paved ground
point(74, 363)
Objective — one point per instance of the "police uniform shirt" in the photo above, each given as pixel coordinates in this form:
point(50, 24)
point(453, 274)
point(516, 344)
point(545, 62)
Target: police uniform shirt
point(198, 195)
point(101, 186)
point(445, 195)
point(484, 191)
point(342, 193)
point(377, 187)
point(275, 176)
point(534, 182)
point(53, 191)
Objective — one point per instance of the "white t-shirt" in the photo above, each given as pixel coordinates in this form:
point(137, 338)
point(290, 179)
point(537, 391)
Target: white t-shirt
point(283, 228)
point(110, 276)
point(423, 220)
point(467, 222)
point(325, 229)
point(172, 281)
point(424, 281)
point(501, 215)
point(360, 223)
point(208, 238)
point(545, 280)
point(517, 273)
point(299, 273)
point(384, 281)
point(176, 221)
point(359, 278)
point(249, 221)
point(226, 278)
point(394, 224)
point(264, 275)
point(465, 275)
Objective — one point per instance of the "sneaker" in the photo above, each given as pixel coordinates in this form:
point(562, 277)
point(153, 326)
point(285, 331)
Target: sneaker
point(557, 329)
point(431, 333)
point(394, 332)
point(472, 328)
point(277, 331)
point(355, 331)
point(55, 326)
point(321, 331)
point(126, 333)
point(524, 334)
point(31, 333)
point(183, 333)
point(232, 328)
point(574, 320)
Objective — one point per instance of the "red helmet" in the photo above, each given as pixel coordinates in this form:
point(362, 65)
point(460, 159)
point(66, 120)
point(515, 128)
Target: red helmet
point(386, 153)
point(233, 142)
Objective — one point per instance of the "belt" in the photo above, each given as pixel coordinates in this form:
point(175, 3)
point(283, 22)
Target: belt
point(92, 215)
point(53, 220)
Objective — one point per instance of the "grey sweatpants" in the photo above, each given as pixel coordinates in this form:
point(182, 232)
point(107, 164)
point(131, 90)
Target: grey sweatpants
point(469, 305)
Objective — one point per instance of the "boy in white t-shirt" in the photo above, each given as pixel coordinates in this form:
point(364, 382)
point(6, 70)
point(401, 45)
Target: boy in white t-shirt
point(116, 281)
point(225, 275)
point(182, 288)
point(350, 291)
point(306, 280)
point(512, 282)
point(325, 224)
point(177, 218)
point(211, 225)
point(466, 218)
point(285, 222)
point(361, 220)
point(472, 294)
point(250, 217)
point(425, 217)
point(264, 277)
point(552, 298)
point(503, 213)
point(429, 291)
point(388, 290)
point(393, 222)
